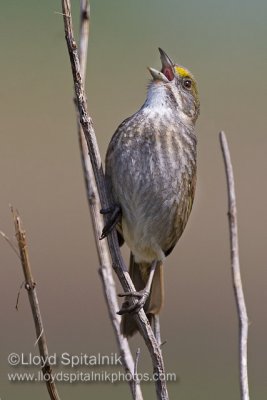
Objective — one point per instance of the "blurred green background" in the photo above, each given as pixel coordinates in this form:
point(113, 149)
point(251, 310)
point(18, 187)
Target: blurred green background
point(224, 45)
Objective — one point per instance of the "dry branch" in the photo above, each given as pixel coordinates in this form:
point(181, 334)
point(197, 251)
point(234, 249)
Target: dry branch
point(136, 380)
point(235, 267)
point(30, 286)
point(118, 264)
point(105, 270)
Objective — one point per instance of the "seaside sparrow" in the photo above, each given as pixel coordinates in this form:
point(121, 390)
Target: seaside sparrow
point(151, 178)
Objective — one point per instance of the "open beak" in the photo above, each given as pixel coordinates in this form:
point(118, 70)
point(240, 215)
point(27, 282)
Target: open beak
point(167, 71)
point(157, 75)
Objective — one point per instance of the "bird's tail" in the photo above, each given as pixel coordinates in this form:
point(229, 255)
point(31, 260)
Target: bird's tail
point(139, 273)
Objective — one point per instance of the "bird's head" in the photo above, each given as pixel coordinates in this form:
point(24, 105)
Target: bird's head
point(179, 86)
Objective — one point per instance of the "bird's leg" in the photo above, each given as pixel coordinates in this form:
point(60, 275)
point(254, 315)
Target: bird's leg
point(113, 219)
point(142, 295)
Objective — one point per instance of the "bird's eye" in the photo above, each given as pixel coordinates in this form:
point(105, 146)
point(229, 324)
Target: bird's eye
point(187, 83)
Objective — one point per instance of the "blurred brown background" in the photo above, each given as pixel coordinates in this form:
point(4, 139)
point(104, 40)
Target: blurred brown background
point(224, 45)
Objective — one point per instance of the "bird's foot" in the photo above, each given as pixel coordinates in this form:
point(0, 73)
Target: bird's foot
point(126, 308)
point(113, 219)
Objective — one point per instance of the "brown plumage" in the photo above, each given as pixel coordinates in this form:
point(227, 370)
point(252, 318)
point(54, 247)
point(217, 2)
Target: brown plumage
point(151, 175)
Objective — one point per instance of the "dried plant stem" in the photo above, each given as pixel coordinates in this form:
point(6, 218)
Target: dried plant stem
point(236, 275)
point(156, 323)
point(105, 270)
point(136, 380)
point(30, 286)
point(118, 264)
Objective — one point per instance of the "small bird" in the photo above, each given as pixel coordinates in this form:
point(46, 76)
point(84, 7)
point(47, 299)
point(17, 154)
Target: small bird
point(151, 178)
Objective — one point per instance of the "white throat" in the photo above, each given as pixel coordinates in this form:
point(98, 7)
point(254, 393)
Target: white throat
point(157, 102)
point(156, 99)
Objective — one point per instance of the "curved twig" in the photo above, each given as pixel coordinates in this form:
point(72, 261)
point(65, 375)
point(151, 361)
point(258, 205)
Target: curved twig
point(236, 275)
point(105, 270)
point(30, 286)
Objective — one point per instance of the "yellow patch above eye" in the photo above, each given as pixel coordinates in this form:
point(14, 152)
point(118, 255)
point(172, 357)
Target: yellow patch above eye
point(181, 71)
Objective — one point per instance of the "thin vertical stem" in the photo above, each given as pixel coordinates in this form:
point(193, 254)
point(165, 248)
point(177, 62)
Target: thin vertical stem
point(235, 267)
point(30, 286)
point(105, 270)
